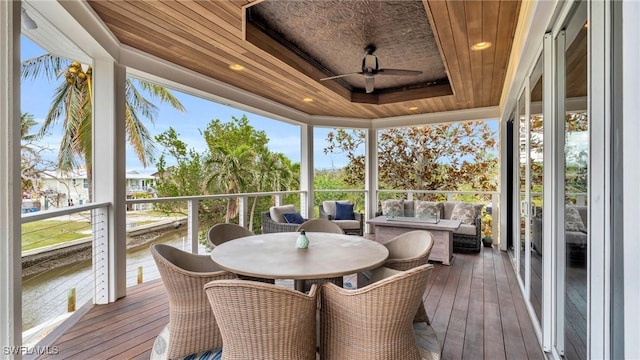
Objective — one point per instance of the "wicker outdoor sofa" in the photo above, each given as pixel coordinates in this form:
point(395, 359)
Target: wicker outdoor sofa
point(467, 238)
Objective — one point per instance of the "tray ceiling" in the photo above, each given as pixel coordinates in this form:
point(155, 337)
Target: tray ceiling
point(319, 38)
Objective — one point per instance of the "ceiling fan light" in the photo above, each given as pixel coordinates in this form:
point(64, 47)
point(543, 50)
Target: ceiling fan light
point(236, 67)
point(481, 45)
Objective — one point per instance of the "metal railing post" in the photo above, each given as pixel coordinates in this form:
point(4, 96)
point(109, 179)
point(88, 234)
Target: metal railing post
point(192, 224)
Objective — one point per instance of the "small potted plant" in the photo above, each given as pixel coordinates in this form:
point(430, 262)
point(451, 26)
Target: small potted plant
point(487, 241)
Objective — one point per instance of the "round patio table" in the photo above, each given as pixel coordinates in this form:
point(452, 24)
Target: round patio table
point(275, 256)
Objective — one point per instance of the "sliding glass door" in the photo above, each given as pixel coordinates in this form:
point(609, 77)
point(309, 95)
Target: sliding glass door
point(572, 279)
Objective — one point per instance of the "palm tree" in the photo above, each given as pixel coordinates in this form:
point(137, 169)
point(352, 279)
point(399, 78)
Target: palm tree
point(72, 104)
point(233, 169)
point(274, 174)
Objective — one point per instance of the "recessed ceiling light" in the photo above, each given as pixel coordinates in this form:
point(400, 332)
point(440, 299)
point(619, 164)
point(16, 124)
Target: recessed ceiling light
point(481, 45)
point(413, 108)
point(307, 100)
point(236, 67)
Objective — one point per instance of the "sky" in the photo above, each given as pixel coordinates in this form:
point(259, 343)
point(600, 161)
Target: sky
point(36, 96)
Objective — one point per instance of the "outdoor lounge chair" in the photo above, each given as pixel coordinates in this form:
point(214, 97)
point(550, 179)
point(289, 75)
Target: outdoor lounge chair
point(262, 321)
point(192, 326)
point(223, 232)
point(351, 222)
point(378, 318)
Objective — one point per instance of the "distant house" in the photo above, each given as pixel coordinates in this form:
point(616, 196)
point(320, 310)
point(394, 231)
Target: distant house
point(68, 188)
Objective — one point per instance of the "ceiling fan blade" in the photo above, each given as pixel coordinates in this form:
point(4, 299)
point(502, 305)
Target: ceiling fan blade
point(370, 62)
point(368, 83)
point(341, 76)
point(398, 72)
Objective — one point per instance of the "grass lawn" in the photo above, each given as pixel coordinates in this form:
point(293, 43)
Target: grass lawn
point(48, 232)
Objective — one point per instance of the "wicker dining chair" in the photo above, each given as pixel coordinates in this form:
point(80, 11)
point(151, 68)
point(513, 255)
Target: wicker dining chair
point(409, 250)
point(406, 251)
point(321, 225)
point(263, 321)
point(374, 322)
point(223, 232)
point(192, 326)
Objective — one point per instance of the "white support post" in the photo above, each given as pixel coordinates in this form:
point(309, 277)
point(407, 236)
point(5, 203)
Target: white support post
point(10, 199)
point(193, 207)
point(306, 170)
point(109, 174)
point(371, 176)
point(495, 219)
point(631, 174)
point(243, 206)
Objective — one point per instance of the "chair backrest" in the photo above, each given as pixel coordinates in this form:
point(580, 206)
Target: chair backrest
point(320, 225)
point(192, 326)
point(378, 318)
point(223, 232)
point(409, 250)
point(263, 321)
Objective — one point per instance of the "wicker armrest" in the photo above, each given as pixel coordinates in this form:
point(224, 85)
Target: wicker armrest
point(271, 226)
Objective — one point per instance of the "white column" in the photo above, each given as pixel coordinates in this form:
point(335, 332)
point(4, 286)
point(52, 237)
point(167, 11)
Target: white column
point(109, 176)
point(631, 174)
point(371, 176)
point(10, 199)
point(306, 170)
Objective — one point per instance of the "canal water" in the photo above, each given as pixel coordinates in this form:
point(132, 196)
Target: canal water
point(44, 296)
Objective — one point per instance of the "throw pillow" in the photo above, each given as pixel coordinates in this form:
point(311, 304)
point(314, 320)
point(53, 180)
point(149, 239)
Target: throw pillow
point(573, 220)
point(425, 209)
point(344, 211)
point(392, 207)
point(293, 218)
point(466, 213)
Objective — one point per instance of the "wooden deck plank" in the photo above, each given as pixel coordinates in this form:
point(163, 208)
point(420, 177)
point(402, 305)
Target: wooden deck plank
point(474, 333)
point(441, 319)
point(452, 348)
point(526, 326)
point(493, 336)
point(513, 343)
point(475, 304)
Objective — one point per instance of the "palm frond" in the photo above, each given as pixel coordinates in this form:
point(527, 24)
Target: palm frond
point(48, 64)
point(162, 93)
point(139, 103)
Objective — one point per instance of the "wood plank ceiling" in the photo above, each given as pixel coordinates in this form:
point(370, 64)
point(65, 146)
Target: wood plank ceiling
point(209, 36)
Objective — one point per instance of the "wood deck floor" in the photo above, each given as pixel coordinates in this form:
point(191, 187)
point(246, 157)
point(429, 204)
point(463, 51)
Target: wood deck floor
point(475, 305)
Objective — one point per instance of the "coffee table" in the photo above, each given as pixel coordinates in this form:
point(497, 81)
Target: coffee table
point(275, 256)
point(442, 233)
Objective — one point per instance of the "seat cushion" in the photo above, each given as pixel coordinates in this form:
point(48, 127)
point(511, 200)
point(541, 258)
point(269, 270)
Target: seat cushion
point(293, 218)
point(466, 229)
point(277, 212)
point(344, 211)
point(347, 224)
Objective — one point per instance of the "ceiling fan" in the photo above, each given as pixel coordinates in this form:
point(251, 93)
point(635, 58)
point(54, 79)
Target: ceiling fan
point(370, 70)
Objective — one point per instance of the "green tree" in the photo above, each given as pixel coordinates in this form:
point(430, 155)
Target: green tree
point(434, 157)
point(237, 160)
point(72, 103)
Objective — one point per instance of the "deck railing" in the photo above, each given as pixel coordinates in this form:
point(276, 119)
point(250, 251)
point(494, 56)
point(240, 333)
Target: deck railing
point(140, 267)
